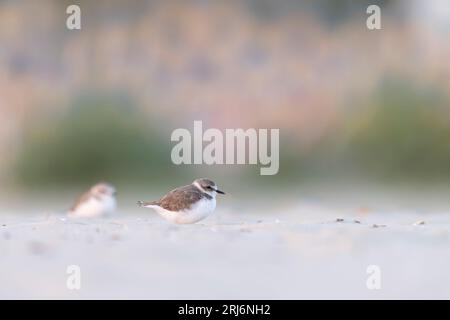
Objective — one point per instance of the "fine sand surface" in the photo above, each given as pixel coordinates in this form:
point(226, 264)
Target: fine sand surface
point(302, 251)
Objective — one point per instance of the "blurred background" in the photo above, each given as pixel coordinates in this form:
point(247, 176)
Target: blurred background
point(352, 105)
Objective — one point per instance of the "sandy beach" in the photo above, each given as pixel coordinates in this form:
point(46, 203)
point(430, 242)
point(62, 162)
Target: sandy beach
point(304, 252)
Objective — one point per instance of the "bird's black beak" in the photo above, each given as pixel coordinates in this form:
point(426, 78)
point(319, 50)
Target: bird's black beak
point(218, 191)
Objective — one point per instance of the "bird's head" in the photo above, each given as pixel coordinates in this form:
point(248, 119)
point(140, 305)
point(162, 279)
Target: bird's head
point(103, 189)
point(207, 186)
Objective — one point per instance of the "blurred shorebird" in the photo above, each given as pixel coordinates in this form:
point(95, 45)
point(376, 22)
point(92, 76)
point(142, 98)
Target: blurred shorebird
point(100, 200)
point(187, 204)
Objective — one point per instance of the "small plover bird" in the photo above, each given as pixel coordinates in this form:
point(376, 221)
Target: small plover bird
point(187, 204)
point(98, 201)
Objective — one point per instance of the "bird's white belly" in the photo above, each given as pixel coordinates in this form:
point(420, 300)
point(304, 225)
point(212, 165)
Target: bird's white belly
point(197, 212)
point(95, 207)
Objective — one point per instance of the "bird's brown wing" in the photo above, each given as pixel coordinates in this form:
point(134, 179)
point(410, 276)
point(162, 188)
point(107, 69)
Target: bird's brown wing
point(180, 198)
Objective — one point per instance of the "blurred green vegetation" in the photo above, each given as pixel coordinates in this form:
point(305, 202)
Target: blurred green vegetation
point(400, 133)
point(403, 132)
point(100, 137)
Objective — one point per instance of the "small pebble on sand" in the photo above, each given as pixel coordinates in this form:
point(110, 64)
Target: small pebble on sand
point(115, 237)
point(37, 247)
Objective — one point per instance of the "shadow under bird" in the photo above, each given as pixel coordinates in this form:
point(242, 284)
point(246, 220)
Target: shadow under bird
point(99, 200)
point(187, 204)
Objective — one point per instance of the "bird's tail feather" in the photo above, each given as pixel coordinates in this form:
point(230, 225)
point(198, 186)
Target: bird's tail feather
point(141, 203)
point(146, 203)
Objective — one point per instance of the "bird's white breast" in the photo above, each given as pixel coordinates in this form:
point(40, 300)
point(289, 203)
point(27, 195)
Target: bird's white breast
point(95, 207)
point(197, 212)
